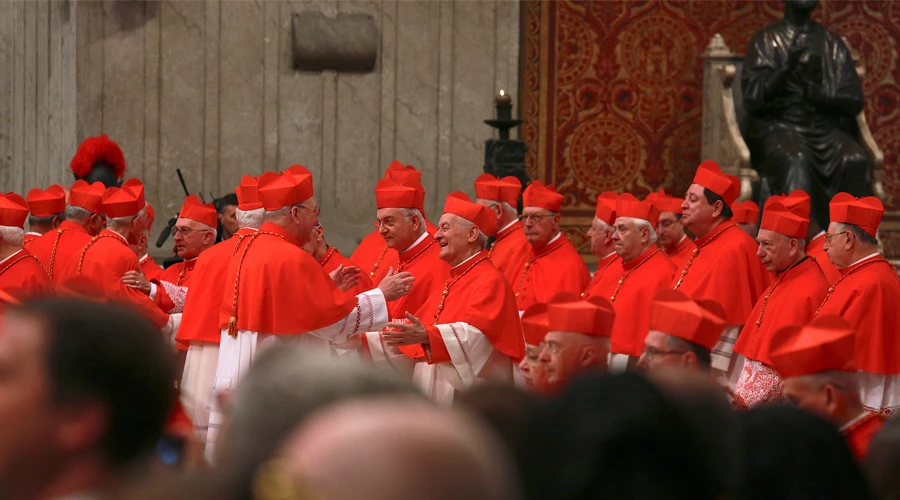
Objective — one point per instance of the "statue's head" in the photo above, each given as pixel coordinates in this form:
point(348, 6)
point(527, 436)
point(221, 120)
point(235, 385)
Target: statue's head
point(801, 5)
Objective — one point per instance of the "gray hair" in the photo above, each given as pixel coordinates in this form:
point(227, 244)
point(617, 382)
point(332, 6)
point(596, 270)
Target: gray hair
point(503, 205)
point(466, 224)
point(78, 214)
point(642, 223)
point(12, 235)
point(409, 212)
point(213, 230)
point(122, 222)
point(857, 231)
point(35, 220)
point(846, 382)
point(603, 225)
point(250, 218)
point(285, 386)
point(281, 213)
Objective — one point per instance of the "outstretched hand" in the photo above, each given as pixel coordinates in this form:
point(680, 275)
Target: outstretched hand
point(136, 280)
point(406, 334)
point(346, 277)
point(396, 285)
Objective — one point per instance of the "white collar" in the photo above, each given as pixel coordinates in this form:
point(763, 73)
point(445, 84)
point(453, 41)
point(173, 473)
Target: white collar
point(34, 233)
point(17, 252)
point(821, 233)
point(870, 256)
point(119, 234)
point(855, 420)
point(683, 236)
point(467, 260)
point(142, 259)
point(420, 240)
point(558, 235)
point(504, 228)
point(607, 255)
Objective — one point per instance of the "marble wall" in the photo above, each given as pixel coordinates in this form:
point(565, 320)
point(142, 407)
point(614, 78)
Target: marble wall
point(207, 86)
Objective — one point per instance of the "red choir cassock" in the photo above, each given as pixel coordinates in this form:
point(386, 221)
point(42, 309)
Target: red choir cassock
point(173, 283)
point(333, 259)
point(724, 266)
point(44, 204)
point(608, 265)
point(641, 278)
point(866, 295)
point(372, 255)
point(791, 299)
point(107, 257)
point(21, 274)
point(421, 259)
point(682, 250)
point(57, 248)
point(825, 344)
point(510, 248)
point(554, 267)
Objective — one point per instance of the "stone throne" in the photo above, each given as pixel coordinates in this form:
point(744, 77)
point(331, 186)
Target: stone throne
point(723, 118)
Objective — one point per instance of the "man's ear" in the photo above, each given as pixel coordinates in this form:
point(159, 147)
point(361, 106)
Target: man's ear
point(718, 207)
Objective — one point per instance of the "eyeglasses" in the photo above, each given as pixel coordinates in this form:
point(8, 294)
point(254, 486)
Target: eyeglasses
point(186, 232)
point(829, 236)
point(387, 222)
point(534, 218)
point(649, 352)
point(315, 211)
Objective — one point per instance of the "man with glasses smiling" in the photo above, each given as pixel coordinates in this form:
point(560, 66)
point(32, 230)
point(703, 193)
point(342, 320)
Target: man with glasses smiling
point(866, 296)
point(553, 264)
point(195, 232)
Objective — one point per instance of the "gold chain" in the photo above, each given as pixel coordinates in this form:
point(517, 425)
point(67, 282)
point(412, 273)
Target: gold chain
point(378, 261)
point(848, 273)
point(628, 273)
point(59, 233)
point(450, 284)
point(696, 251)
point(232, 321)
point(403, 264)
point(771, 289)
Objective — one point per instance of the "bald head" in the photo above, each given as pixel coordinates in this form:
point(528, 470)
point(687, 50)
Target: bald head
point(397, 448)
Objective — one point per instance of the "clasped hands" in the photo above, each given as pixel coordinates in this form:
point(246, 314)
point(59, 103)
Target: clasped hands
point(399, 334)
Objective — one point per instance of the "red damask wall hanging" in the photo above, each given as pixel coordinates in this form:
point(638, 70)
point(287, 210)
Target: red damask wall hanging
point(611, 92)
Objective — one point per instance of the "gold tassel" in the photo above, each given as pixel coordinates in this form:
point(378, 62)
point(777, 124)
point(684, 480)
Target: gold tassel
point(232, 327)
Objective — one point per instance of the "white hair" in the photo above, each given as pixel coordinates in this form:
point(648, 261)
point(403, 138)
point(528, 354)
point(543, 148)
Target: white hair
point(642, 223)
point(12, 235)
point(602, 224)
point(205, 227)
point(250, 218)
point(78, 214)
point(274, 215)
point(122, 222)
point(506, 207)
point(409, 212)
point(466, 224)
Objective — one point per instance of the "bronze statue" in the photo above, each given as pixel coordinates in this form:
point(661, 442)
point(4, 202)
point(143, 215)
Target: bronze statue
point(802, 94)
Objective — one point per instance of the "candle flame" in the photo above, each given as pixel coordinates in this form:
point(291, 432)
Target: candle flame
point(501, 92)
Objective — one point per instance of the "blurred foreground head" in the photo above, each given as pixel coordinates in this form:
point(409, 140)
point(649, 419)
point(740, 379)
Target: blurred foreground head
point(391, 449)
point(618, 436)
point(788, 453)
point(85, 390)
point(286, 385)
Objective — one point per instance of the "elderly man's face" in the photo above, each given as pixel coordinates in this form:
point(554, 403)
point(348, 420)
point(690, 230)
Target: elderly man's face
point(669, 230)
point(776, 251)
point(454, 241)
point(191, 238)
point(839, 245)
point(801, 392)
point(630, 240)
point(398, 231)
point(530, 367)
point(600, 235)
point(657, 354)
point(540, 224)
point(565, 354)
point(29, 422)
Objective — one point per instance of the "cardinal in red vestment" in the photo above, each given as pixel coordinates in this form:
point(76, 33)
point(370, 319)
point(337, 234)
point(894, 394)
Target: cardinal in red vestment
point(645, 270)
point(149, 267)
point(724, 266)
point(746, 215)
point(402, 225)
point(199, 329)
point(47, 210)
point(578, 338)
point(818, 365)
point(553, 264)
point(682, 333)
point(815, 237)
point(373, 254)
point(602, 244)
point(670, 229)
point(535, 327)
point(195, 232)
point(21, 274)
point(84, 220)
point(474, 331)
point(274, 289)
point(106, 257)
point(866, 296)
point(796, 291)
point(510, 248)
